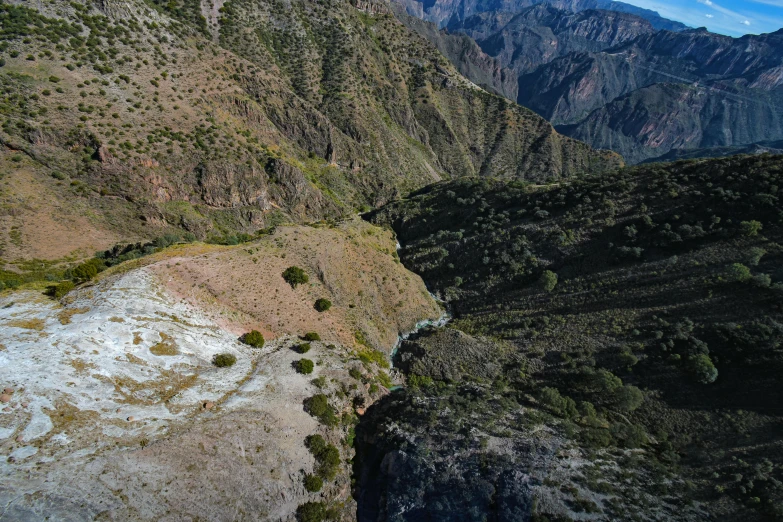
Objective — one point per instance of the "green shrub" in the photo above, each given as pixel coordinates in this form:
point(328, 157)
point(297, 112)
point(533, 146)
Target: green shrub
point(59, 291)
point(304, 366)
point(322, 305)
point(312, 336)
point(548, 280)
point(327, 456)
point(738, 272)
point(87, 270)
point(313, 483)
point(627, 398)
point(628, 435)
point(703, 369)
point(253, 338)
point(375, 356)
point(750, 228)
point(223, 360)
point(419, 381)
point(311, 512)
point(754, 255)
point(303, 348)
point(315, 443)
point(318, 406)
point(295, 276)
point(551, 399)
point(384, 379)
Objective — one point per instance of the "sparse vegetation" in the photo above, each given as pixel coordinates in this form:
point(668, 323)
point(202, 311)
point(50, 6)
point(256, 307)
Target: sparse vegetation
point(295, 276)
point(323, 304)
point(318, 406)
point(224, 360)
point(313, 483)
point(327, 457)
point(253, 338)
point(665, 275)
point(60, 290)
point(304, 366)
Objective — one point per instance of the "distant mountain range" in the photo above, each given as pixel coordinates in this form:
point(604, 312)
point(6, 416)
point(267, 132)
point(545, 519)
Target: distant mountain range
point(446, 12)
point(616, 76)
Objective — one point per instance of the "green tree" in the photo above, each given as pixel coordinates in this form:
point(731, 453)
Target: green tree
point(750, 228)
point(311, 512)
point(59, 291)
point(223, 360)
point(304, 366)
point(754, 255)
point(627, 398)
point(322, 305)
point(253, 338)
point(703, 369)
point(295, 276)
point(559, 404)
point(87, 270)
point(312, 336)
point(548, 280)
point(738, 272)
point(318, 406)
point(313, 483)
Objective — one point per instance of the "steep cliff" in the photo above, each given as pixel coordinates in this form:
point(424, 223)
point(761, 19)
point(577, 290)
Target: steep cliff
point(615, 81)
point(444, 12)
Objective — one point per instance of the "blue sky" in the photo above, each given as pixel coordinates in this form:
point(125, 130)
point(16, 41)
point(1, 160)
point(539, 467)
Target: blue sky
point(732, 17)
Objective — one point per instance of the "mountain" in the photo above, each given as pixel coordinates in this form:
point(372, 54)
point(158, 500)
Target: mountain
point(615, 81)
point(149, 120)
point(762, 147)
point(539, 34)
point(628, 323)
point(446, 12)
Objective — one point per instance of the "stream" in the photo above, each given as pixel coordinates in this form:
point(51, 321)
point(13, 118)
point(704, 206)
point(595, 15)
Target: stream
point(438, 323)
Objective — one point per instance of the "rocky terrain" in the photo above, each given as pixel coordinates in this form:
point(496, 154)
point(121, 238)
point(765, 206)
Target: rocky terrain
point(445, 12)
point(114, 409)
point(311, 261)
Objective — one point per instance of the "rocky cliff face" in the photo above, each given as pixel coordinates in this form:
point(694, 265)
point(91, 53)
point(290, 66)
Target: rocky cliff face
point(541, 33)
point(616, 81)
point(444, 12)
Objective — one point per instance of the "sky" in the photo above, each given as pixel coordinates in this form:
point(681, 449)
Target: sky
point(731, 17)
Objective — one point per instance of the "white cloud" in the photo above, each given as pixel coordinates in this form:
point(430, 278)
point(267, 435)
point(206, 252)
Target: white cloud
point(707, 2)
point(777, 3)
point(709, 16)
point(745, 22)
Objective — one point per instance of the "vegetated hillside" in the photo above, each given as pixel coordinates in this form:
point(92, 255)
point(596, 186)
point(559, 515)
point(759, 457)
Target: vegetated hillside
point(465, 54)
point(641, 309)
point(138, 396)
point(125, 120)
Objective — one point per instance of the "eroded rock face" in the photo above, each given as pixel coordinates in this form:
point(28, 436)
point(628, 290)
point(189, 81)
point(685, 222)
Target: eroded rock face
point(113, 407)
point(112, 429)
point(448, 354)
